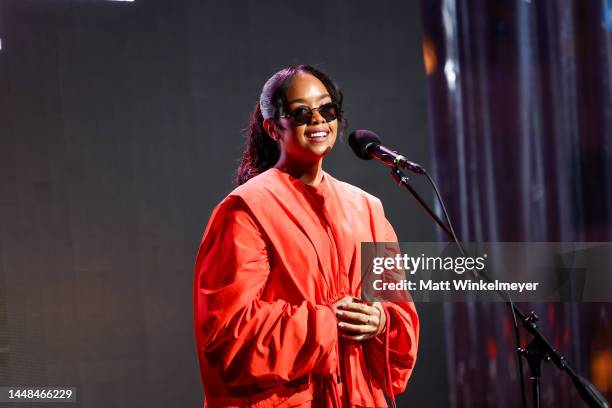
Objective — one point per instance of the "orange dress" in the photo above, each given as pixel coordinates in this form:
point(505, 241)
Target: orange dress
point(276, 254)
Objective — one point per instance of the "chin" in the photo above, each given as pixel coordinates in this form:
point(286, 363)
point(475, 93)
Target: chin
point(321, 151)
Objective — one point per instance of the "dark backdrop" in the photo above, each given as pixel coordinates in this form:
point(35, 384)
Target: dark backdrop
point(120, 131)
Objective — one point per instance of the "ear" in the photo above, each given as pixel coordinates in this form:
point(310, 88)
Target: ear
point(272, 129)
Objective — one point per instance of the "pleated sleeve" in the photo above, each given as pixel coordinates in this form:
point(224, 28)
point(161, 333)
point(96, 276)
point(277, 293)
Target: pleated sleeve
point(245, 339)
point(392, 354)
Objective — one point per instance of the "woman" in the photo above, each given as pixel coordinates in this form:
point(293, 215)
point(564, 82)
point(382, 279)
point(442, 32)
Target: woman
point(277, 275)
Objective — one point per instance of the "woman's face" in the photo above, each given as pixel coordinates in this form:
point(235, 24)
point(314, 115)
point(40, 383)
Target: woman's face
point(310, 142)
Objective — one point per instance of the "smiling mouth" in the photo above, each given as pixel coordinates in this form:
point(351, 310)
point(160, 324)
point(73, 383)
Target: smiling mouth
point(317, 135)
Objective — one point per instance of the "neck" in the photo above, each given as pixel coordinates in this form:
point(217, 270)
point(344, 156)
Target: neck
point(307, 173)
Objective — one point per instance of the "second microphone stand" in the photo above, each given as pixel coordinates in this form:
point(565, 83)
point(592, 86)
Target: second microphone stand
point(539, 348)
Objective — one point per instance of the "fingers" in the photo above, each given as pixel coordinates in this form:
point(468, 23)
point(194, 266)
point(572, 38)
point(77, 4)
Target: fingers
point(344, 301)
point(351, 328)
point(357, 307)
point(358, 320)
point(358, 337)
point(381, 317)
point(358, 313)
point(353, 317)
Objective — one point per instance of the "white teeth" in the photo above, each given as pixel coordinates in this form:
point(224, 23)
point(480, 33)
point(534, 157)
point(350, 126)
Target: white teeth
point(317, 134)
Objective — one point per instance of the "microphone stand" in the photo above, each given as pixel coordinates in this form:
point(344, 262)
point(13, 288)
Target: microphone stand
point(539, 348)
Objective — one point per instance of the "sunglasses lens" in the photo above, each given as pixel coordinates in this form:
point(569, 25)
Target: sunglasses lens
point(301, 116)
point(329, 111)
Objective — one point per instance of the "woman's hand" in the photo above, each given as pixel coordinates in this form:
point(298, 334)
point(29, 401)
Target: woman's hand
point(359, 320)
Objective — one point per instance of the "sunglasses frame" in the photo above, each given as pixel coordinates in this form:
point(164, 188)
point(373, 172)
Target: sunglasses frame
point(291, 115)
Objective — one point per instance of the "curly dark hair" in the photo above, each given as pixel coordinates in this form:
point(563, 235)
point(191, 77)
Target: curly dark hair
point(261, 151)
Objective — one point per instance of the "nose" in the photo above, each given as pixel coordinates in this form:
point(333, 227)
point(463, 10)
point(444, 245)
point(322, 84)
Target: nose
point(316, 117)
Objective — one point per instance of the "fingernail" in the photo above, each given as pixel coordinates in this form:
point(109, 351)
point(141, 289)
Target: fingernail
point(339, 312)
point(340, 324)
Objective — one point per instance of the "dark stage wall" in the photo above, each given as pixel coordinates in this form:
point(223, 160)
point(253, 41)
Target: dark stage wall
point(120, 131)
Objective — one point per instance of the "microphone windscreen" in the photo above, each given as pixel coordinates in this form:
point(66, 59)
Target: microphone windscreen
point(359, 141)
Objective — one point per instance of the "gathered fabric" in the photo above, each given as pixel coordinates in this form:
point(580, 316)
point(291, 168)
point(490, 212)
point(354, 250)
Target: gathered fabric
point(275, 256)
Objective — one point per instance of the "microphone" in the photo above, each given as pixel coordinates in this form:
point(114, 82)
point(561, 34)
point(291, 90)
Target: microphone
point(366, 145)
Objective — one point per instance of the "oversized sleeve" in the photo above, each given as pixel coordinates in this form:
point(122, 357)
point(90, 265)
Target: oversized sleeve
point(392, 354)
point(245, 339)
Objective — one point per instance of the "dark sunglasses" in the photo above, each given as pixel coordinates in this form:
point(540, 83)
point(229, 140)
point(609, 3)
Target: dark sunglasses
point(303, 114)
